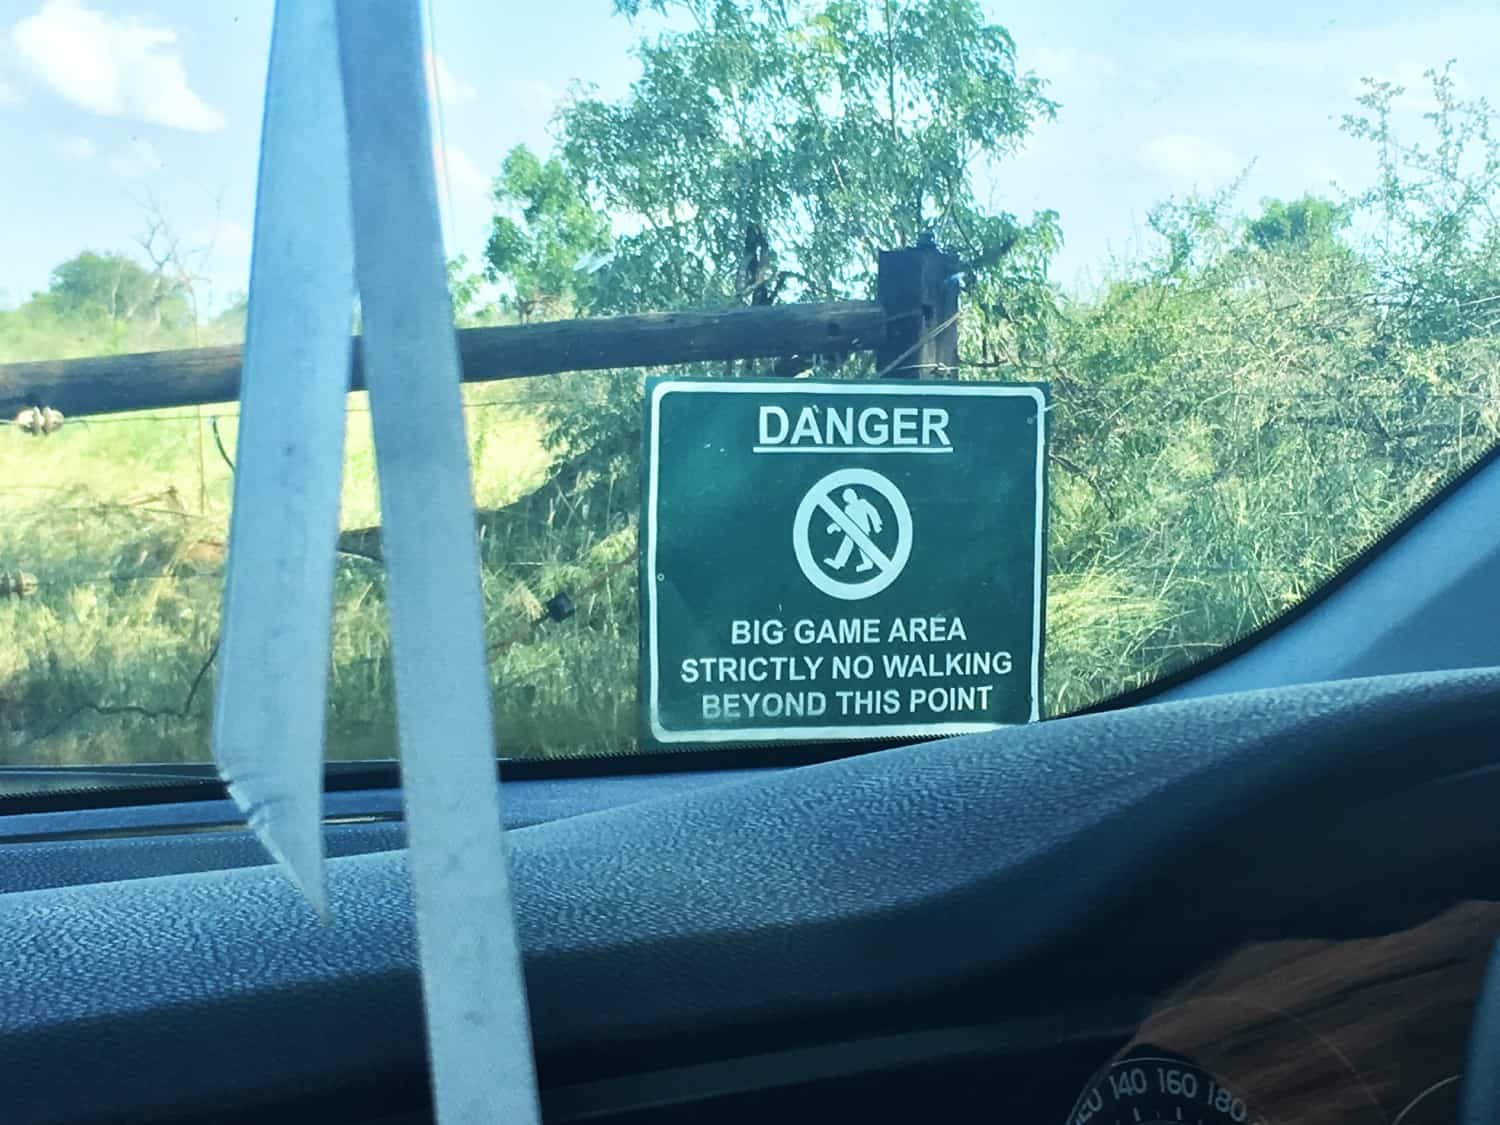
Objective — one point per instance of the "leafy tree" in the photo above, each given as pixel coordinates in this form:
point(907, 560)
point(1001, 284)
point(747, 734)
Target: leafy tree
point(546, 240)
point(774, 150)
point(1244, 410)
point(1301, 225)
point(230, 320)
point(466, 291)
point(114, 287)
point(1434, 240)
point(768, 154)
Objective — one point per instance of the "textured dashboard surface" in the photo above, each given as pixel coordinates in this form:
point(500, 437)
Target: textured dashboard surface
point(59, 849)
point(822, 888)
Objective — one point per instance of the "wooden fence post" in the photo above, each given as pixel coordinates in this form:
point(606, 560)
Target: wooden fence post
point(918, 288)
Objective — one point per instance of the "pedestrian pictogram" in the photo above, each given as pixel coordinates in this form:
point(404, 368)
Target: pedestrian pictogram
point(833, 559)
point(852, 501)
point(861, 516)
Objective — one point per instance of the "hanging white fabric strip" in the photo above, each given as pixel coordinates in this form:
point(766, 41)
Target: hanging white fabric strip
point(273, 654)
point(478, 1034)
point(347, 188)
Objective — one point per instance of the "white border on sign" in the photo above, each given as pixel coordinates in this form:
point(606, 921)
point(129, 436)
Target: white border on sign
point(780, 734)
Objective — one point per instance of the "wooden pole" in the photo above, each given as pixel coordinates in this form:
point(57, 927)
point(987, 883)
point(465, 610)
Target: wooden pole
point(158, 380)
point(918, 289)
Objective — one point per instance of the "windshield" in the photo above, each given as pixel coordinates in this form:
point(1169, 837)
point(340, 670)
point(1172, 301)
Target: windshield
point(1242, 269)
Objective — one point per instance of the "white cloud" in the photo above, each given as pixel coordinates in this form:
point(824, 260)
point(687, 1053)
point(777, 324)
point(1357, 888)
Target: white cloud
point(136, 161)
point(1412, 77)
point(222, 246)
point(76, 148)
point(458, 172)
point(531, 97)
point(1063, 64)
point(1054, 63)
point(1190, 158)
point(225, 237)
point(232, 238)
point(1352, 50)
point(463, 195)
point(446, 85)
point(112, 66)
point(465, 173)
point(1319, 174)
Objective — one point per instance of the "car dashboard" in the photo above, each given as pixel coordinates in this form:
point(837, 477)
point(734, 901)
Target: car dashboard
point(1275, 906)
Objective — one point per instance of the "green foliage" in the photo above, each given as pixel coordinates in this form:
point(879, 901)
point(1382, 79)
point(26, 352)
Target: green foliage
point(112, 287)
point(123, 519)
point(1435, 242)
point(769, 154)
point(473, 303)
point(1243, 412)
point(230, 321)
point(1297, 227)
point(73, 316)
point(546, 239)
point(1010, 308)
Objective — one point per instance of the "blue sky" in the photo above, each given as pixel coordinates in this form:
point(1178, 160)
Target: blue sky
point(108, 107)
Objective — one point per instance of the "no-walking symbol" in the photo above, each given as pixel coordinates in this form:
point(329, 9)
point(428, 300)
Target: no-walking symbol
point(831, 559)
point(856, 519)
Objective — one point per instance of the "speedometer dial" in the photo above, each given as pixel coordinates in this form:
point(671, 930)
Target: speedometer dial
point(1154, 1088)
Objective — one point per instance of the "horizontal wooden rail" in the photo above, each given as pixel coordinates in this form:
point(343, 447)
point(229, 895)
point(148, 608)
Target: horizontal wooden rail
point(156, 380)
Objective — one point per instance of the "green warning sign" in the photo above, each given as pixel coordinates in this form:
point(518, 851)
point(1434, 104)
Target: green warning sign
point(840, 560)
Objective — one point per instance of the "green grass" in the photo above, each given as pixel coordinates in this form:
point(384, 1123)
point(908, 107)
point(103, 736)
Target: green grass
point(1167, 541)
point(122, 521)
